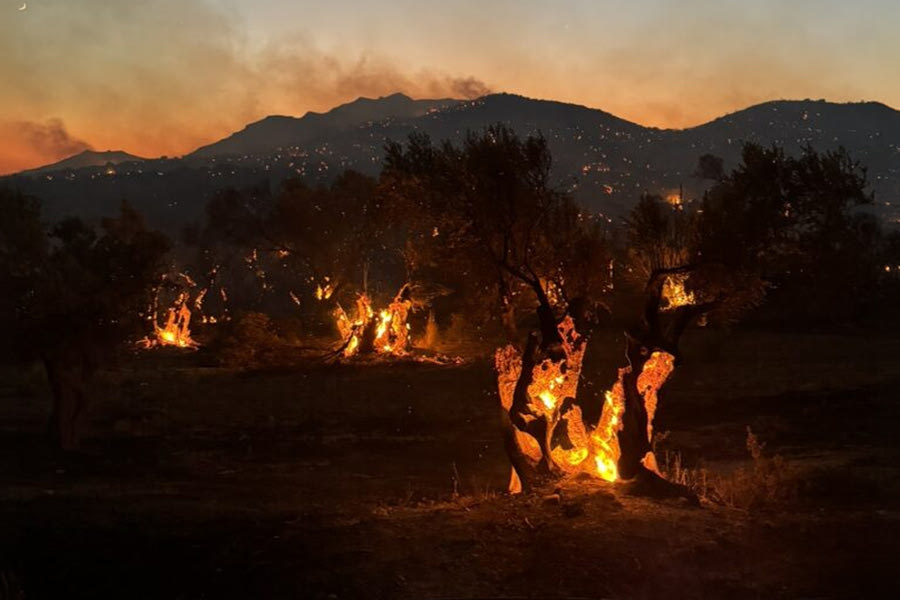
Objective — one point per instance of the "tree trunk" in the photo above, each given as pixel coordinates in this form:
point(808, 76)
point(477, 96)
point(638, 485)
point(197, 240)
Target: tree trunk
point(531, 463)
point(507, 309)
point(68, 386)
point(634, 443)
point(367, 337)
point(636, 462)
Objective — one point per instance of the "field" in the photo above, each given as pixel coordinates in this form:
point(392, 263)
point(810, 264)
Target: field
point(387, 481)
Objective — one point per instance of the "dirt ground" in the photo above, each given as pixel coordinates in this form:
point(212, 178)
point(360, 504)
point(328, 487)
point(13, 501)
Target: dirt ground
point(386, 481)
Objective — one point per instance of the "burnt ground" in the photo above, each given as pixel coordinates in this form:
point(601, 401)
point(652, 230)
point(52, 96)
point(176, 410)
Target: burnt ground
point(386, 481)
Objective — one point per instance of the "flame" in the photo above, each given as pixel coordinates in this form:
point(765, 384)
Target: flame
point(391, 328)
point(655, 373)
point(675, 200)
point(675, 294)
point(176, 331)
point(324, 292)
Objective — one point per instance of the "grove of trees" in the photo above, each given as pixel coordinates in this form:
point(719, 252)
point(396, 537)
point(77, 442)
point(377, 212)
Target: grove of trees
point(478, 229)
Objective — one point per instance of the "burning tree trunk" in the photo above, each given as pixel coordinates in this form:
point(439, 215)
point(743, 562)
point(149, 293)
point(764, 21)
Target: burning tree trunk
point(546, 435)
point(384, 333)
point(535, 389)
point(652, 353)
point(640, 382)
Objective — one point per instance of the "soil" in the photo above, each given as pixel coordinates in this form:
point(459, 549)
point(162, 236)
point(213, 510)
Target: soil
point(386, 480)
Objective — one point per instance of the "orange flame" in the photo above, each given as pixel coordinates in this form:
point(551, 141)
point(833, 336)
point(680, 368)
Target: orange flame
point(391, 334)
point(674, 293)
point(176, 332)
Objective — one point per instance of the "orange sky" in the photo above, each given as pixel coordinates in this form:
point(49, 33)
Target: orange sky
point(163, 76)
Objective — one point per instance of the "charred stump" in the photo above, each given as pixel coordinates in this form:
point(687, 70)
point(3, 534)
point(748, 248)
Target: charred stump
point(634, 442)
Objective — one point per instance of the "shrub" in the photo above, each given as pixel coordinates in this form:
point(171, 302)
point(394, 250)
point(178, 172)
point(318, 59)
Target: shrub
point(248, 341)
point(767, 481)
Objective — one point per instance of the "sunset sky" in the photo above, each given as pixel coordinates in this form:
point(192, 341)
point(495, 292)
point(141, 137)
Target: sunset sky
point(159, 77)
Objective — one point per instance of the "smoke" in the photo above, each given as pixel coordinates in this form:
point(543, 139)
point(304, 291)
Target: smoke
point(166, 76)
point(296, 73)
point(468, 88)
point(50, 138)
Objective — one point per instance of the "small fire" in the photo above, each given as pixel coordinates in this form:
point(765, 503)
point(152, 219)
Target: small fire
point(352, 330)
point(176, 331)
point(675, 200)
point(674, 293)
point(391, 330)
point(324, 292)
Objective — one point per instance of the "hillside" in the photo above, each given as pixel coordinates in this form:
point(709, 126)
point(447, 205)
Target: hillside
point(87, 158)
point(276, 132)
point(605, 161)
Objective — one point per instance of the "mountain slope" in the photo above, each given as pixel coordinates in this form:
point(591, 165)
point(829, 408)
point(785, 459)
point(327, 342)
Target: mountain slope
point(605, 161)
point(87, 158)
point(276, 132)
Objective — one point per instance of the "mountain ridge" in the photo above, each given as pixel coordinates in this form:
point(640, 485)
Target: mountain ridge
point(604, 161)
point(275, 131)
point(288, 120)
point(85, 158)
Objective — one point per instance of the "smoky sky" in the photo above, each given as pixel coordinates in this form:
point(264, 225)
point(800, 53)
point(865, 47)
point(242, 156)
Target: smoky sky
point(160, 76)
point(165, 76)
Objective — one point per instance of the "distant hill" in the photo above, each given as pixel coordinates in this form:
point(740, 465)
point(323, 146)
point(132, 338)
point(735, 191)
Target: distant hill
point(87, 158)
point(604, 161)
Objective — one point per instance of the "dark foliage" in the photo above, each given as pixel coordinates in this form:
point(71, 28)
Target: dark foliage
point(71, 295)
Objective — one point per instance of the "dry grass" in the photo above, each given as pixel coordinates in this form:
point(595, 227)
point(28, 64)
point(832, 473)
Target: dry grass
point(766, 482)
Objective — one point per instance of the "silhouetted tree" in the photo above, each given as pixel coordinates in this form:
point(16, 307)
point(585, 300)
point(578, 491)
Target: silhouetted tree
point(774, 220)
point(307, 241)
point(710, 166)
point(71, 295)
point(488, 207)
